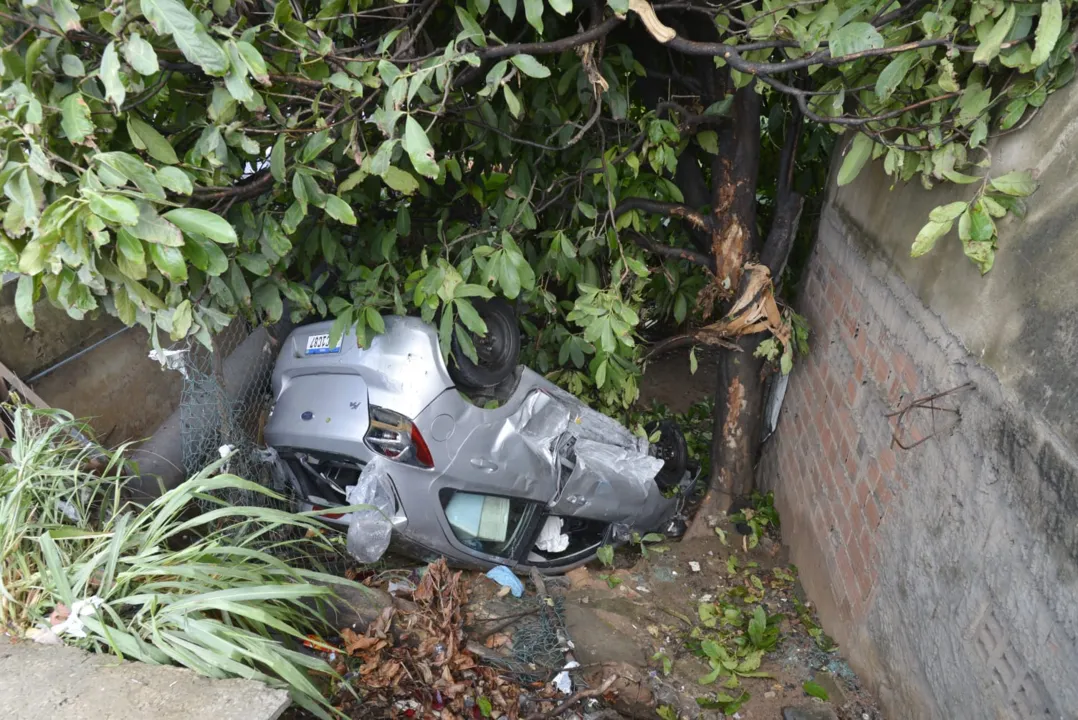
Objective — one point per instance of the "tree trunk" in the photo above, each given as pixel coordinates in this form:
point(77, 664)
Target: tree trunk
point(738, 427)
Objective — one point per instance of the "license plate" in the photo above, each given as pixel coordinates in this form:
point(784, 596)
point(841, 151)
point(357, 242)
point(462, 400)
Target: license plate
point(319, 345)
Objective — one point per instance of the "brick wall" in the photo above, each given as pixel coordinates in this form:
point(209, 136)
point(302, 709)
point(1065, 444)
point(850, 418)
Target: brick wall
point(920, 559)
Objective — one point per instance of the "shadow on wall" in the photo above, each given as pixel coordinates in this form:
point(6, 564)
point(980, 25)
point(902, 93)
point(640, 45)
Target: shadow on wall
point(94, 368)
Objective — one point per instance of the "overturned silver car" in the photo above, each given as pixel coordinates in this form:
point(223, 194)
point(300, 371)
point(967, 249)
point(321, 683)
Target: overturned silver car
point(485, 463)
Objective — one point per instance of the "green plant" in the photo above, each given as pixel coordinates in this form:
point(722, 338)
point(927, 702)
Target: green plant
point(163, 585)
point(761, 518)
point(815, 690)
point(648, 543)
point(726, 704)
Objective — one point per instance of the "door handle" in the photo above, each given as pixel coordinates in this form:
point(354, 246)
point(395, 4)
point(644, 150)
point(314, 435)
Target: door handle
point(484, 464)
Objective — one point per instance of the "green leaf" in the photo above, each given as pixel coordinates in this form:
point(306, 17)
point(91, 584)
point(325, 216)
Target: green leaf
point(181, 320)
point(236, 77)
point(485, 708)
point(75, 118)
point(114, 208)
point(693, 366)
point(605, 553)
point(277, 159)
point(982, 227)
point(815, 690)
point(990, 44)
point(973, 102)
point(256, 264)
point(339, 210)
point(562, 7)
point(268, 298)
point(169, 261)
point(854, 38)
point(9, 256)
point(531, 67)
point(509, 7)
point(712, 650)
point(757, 626)
point(72, 66)
point(145, 137)
point(619, 6)
point(175, 180)
point(401, 181)
point(465, 342)
point(140, 55)
point(153, 228)
point(712, 676)
point(857, 155)
point(1018, 183)
point(418, 147)
point(203, 222)
point(893, 75)
point(468, 315)
point(110, 76)
point(511, 101)
point(472, 31)
point(928, 235)
point(1048, 29)
point(533, 10)
point(947, 213)
point(171, 17)
point(67, 17)
point(256, 65)
point(134, 170)
point(24, 301)
point(709, 141)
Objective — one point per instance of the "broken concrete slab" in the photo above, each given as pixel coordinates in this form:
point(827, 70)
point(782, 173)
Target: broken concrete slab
point(38, 681)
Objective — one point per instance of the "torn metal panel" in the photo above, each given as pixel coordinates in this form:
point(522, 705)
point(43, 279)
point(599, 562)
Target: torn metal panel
point(607, 482)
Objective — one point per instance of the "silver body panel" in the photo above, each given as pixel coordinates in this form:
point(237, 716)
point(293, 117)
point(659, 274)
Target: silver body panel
point(521, 450)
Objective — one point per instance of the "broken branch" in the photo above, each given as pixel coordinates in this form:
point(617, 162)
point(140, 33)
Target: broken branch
point(575, 698)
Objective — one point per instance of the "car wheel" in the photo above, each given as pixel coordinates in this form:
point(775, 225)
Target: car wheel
point(498, 351)
point(672, 449)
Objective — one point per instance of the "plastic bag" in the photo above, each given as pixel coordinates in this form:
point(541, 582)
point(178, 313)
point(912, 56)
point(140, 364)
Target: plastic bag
point(369, 531)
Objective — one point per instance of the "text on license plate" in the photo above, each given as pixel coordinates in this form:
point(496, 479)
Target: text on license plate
point(319, 345)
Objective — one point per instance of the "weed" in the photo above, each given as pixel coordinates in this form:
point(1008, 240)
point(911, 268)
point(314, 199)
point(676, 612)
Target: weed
point(161, 585)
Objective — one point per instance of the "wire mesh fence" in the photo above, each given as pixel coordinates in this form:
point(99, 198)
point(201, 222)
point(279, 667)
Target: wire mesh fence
point(224, 412)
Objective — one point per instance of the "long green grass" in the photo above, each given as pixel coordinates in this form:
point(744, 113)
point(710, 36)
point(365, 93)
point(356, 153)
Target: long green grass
point(186, 580)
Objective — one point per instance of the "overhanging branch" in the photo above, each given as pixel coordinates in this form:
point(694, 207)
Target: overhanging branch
point(695, 219)
point(673, 253)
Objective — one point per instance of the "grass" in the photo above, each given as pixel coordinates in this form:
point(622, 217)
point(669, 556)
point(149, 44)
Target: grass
point(187, 579)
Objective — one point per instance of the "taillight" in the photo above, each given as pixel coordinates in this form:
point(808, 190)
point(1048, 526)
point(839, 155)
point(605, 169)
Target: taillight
point(397, 438)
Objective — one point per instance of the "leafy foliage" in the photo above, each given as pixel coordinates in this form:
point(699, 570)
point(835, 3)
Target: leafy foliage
point(204, 590)
point(178, 163)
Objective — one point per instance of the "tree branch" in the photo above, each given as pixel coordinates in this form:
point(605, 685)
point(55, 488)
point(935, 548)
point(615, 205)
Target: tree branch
point(553, 46)
point(677, 210)
point(673, 253)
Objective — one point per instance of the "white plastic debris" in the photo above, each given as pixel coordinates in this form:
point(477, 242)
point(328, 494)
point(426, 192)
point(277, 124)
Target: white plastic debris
point(563, 682)
point(73, 625)
point(171, 359)
point(369, 530)
point(224, 451)
point(694, 566)
point(551, 538)
point(396, 587)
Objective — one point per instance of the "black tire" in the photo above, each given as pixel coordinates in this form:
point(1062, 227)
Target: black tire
point(498, 350)
point(672, 449)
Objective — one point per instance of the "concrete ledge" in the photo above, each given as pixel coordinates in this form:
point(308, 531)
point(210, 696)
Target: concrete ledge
point(66, 683)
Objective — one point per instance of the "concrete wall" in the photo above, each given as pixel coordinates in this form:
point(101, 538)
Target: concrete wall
point(949, 571)
point(123, 393)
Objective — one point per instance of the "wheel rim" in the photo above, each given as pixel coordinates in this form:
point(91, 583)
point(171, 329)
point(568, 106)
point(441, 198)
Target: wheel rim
point(494, 348)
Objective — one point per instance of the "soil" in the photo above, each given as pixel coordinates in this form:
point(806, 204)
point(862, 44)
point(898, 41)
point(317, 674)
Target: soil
point(669, 381)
